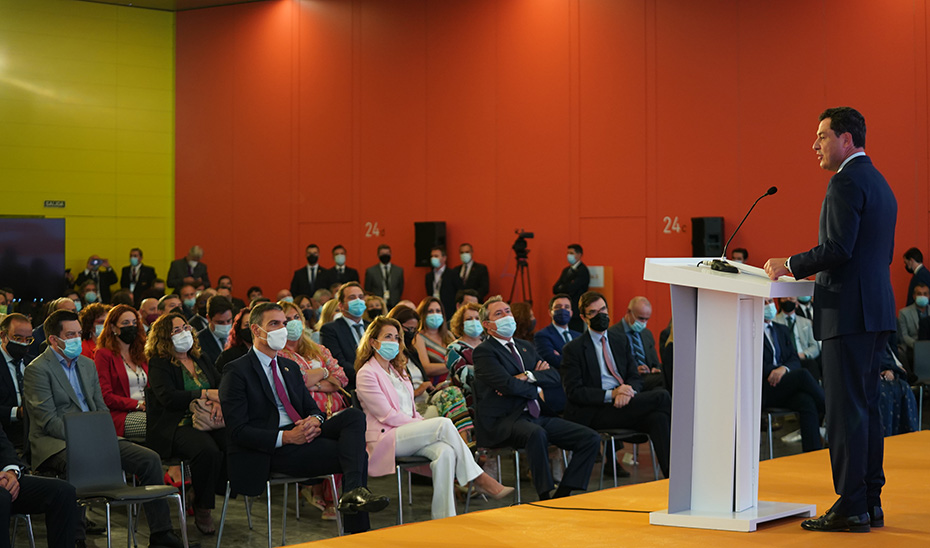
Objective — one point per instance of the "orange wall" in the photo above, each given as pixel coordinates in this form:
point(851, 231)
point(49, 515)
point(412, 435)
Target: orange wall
point(581, 120)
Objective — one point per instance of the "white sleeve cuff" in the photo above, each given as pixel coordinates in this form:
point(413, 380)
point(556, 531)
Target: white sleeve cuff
point(280, 442)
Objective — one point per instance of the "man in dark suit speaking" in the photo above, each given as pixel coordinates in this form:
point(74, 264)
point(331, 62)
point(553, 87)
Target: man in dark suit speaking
point(854, 314)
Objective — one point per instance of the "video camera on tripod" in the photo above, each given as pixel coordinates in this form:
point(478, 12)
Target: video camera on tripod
point(520, 246)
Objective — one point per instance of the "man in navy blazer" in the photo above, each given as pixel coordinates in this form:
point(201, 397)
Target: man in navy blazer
point(854, 314)
point(268, 434)
point(607, 395)
point(443, 282)
point(137, 277)
point(342, 335)
point(512, 387)
point(550, 339)
point(785, 383)
point(914, 264)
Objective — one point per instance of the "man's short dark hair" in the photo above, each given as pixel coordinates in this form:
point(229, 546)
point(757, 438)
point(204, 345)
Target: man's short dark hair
point(558, 296)
point(914, 253)
point(921, 284)
point(311, 245)
point(53, 323)
point(383, 247)
point(123, 296)
point(439, 248)
point(163, 302)
point(223, 277)
point(253, 289)
point(846, 120)
point(588, 298)
point(136, 249)
point(743, 251)
point(338, 246)
point(182, 286)
point(218, 304)
point(258, 312)
point(9, 319)
point(576, 248)
point(461, 294)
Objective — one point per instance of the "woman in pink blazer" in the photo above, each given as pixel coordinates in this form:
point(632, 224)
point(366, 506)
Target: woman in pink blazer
point(395, 429)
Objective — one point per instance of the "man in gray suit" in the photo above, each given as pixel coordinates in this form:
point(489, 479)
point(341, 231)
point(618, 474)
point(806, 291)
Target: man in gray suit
point(802, 336)
point(910, 318)
point(61, 381)
point(375, 277)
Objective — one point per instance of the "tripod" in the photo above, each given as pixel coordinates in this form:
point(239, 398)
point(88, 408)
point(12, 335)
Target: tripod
point(523, 275)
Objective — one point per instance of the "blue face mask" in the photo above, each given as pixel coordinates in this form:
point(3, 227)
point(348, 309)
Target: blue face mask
point(506, 327)
point(295, 329)
point(388, 349)
point(90, 296)
point(77, 306)
point(434, 320)
point(434, 261)
point(288, 299)
point(638, 326)
point(562, 316)
point(357, 307)
point(340, 259)
point(769, 312)
point(466, 257)
point(921, 301)
point(98, 329)
point(804, 300)
point(134, 261)
point(72, 347)
point(572, 259)
point(190, 303)
point(473, 328)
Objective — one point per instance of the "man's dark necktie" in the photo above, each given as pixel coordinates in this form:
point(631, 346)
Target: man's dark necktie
point(638, 352)
point(532, 406)
point(566, 336)
point(358, 330)
point(794, 339)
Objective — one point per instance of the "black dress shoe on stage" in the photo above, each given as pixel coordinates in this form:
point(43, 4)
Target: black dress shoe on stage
point(832, 522)
point(876, 516)
point(361, 499)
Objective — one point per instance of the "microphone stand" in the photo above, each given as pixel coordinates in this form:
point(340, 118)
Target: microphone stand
point(721, 264)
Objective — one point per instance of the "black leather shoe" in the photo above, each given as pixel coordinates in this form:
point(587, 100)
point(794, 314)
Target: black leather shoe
point(876, 517)
point(361, 499)
point(622, 472)
point(165, 539)
point(831, 522)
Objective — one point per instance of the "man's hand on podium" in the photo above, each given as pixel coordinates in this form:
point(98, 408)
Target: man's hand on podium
point(775, 268)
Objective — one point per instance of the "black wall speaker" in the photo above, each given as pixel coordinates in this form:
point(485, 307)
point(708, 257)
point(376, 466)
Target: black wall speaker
point(427, 236)
point(706, 236)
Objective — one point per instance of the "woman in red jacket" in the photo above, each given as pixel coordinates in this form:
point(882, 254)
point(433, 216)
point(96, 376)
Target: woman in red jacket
point(122, 370)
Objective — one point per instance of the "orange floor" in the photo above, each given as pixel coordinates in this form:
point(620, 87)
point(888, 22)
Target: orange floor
point(800, 478)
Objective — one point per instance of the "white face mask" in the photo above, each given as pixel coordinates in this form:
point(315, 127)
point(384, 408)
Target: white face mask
point(183, 341)
point(277, 339)
point(222, 331)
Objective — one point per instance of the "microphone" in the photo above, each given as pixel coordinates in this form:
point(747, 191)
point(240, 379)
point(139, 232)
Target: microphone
point(721, 264)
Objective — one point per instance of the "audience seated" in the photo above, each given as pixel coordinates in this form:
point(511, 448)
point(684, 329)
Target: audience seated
point(465, 296)
point(305, 303)
point(308, 279)
point(574, 281)
point(739, 255)
point(374, 306)
point(100, 272)
point(254, 293)
point(137, 277)
point(62, 381)
point(38, 334)
point(188, 294)
point(284, 295)
point(179, 376)
point(511, 383)
point(526, 321)
point(148, 311)
point(603, 384)
point(340, 274)
point(15, 340)
point(212, 338)
point(123, 371)
point(189, 270)
point(341, 336)
point(88, 292)
point(395, 429)
point(642, 343)
point(431, 398)
point(432, 338)
point(474, 275)
point(238, 342)
point(550, 339)
point(897, 403)
point(385, 279)
point(328, 312)
point(801, 331)
point(466, 326)
point(805, 308)
point(914, 322)
point(287, 432)
point(441, 282)
point(123, 296)
point(326, 381)
point(199, 320)
point(786, 384)
point(92, 318)
point(914, 264)
point(170, 304)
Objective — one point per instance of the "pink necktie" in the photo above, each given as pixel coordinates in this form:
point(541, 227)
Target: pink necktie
point(609, 360)
point(532, 406)
point(282, 393)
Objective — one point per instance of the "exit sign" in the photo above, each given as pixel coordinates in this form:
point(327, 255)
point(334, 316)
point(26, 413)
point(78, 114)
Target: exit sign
point(55, 203)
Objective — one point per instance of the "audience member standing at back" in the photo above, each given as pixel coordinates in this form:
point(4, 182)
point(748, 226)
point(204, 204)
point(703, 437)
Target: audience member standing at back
point(101, 273)
point(341, 336)
point(137, 277)
point(474, 275)
point(340, 273)
point(914, 264)
point(307, 279)
point(385, 279)
point(574, 281)
point(442, 282)
point(189, 270)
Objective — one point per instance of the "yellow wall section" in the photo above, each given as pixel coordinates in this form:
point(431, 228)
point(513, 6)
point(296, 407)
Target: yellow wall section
point(87, 116)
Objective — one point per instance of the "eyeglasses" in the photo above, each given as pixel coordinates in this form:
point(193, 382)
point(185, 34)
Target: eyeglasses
point(177, 330)
point(22, 340)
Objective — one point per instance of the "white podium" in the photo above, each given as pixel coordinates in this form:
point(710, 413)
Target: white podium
point(716, 410)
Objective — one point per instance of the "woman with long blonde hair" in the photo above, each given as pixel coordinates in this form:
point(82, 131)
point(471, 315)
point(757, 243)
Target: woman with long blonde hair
point(325, 379)
point(396, 429)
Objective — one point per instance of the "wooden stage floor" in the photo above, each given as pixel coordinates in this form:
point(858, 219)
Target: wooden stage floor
point(801, 478)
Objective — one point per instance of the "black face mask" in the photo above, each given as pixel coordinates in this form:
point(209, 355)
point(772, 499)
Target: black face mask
point(385, 259)
point(374, 313)
point(308, 314)
point(312, 259)
point(600, 322)
point(787, 307)
point(408, 340)
point(245, 335)
point(16, 351)
point(128, 333)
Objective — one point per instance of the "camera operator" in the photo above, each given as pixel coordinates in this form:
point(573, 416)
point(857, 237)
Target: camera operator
point(574, 280)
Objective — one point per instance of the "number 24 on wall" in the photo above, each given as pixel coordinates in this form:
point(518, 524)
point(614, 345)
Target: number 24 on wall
point(372, 230)
point(672, 225)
